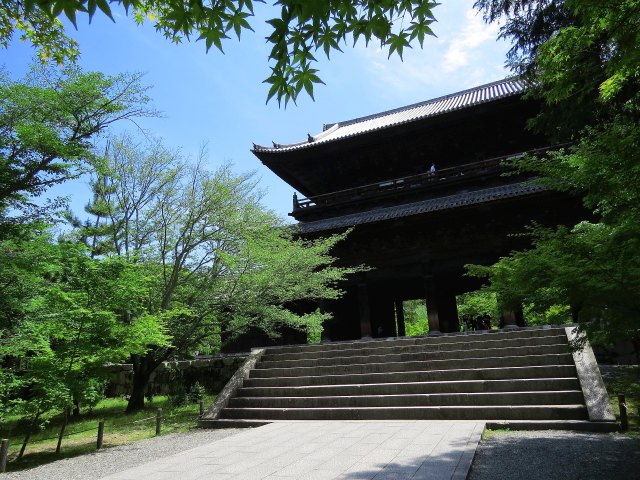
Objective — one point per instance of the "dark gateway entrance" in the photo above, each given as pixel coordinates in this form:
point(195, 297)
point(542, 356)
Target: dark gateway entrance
point(423, 188)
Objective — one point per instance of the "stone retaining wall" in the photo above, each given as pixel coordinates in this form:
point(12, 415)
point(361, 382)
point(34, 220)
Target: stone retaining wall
point(213, 373)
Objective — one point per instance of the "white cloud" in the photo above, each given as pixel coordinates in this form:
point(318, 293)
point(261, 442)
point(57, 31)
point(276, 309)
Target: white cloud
point(473, 34)
point(464, 54)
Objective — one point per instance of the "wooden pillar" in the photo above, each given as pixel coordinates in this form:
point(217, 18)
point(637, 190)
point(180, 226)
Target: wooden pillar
point(432, 307)
point(509, 319)
point(519, 317)
point(400, 318)
point(509, 316)
point(393, 326)
point(363, 309)
point(447, 311)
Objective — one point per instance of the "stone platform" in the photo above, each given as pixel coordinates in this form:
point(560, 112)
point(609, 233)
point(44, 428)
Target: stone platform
point(314, 450)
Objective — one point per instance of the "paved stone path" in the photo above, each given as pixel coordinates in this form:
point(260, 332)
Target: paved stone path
point(311, 450)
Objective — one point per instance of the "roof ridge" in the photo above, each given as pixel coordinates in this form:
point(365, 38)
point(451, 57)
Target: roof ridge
point(420, 104)
point(499, 89)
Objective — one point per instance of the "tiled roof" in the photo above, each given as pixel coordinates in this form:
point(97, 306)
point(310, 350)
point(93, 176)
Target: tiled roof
point(418, 111)
point(431, 205)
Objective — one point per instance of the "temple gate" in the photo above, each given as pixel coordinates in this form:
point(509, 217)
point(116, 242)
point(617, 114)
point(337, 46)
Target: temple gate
point(427, 189)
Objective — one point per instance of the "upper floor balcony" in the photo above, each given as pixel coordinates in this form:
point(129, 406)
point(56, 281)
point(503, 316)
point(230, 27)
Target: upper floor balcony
point(443, 181)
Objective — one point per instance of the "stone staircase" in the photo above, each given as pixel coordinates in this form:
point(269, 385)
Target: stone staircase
point(526, 376)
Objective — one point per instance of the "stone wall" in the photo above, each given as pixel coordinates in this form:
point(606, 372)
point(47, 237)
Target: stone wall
point(213, 373)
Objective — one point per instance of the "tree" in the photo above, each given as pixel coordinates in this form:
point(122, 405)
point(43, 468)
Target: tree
point(49, 123)
point(220, 263)
point(478, 304)
point(415, 318)
point(580, 58)
point(582, 61)
point(302, 28)
point(81, 314)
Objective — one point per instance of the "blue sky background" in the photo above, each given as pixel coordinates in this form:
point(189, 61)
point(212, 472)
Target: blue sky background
point(220, 99)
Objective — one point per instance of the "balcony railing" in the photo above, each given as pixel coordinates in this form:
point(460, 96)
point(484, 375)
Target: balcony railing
point(417, 182)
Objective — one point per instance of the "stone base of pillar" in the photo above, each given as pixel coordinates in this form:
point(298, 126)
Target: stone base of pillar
point(509, 328)
point(434, 333)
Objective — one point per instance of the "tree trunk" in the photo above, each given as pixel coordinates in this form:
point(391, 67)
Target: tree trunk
point(76, 408)
point(64, 425)
point(28, 435)
point(143, 367)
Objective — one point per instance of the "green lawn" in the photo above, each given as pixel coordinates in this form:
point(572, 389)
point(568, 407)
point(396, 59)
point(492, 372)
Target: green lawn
point(83, 430)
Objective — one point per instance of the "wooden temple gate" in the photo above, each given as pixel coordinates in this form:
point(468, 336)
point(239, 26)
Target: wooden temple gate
point(415, 225)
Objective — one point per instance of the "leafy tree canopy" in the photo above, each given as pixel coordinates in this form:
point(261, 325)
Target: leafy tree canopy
point(583, 63)
point(64, 316)
point(581, 58)
point(220, 263)
point(302, 28)
point(49, 122)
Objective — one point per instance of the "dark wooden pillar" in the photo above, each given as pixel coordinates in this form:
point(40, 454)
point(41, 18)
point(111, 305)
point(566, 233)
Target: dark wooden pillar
point(363, 309)
point(393, 327)
point(400, 318)
point(519, 316)
point(447, 311)
point(431, 301)
point(509, 319)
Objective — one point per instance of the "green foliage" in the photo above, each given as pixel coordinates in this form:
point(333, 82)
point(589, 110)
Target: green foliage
point(78, 315)
point(301, 28)
point(580, 58)
point(196, 393)
point(219, 263)
point(553, 315)
point(177, 394)
point(48, 123)
point(415, 318)
point(583, 63)
point(46, 34)
point(477, 305)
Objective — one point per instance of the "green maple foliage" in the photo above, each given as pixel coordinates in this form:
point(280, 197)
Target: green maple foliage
point(300, 29)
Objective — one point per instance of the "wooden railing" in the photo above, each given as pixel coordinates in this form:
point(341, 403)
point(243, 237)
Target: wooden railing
point(425, 180)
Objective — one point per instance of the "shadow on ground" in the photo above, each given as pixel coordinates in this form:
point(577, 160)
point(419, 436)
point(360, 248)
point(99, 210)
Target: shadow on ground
point(556, 455)
point(427, 464)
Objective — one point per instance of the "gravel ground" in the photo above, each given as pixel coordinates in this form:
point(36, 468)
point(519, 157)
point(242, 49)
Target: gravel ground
point(556, 455)
point(113, 460)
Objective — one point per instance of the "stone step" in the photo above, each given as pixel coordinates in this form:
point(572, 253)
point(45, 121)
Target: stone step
point(544, 371)
point(402, 341)
point(485, 412)
point(413, 388)
point(400, 347)
point(421, 356)
point(231, 423)
point(410, 366)
point(561, 397)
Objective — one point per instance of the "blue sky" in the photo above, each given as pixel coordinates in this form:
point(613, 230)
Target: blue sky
point(220, 99)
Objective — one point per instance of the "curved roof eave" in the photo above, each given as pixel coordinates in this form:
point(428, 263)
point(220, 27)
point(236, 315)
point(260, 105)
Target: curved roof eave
point(411, 113)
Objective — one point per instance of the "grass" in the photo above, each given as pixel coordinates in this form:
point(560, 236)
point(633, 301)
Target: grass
point(488, 433)
point(625, 379)
point(81, 432)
